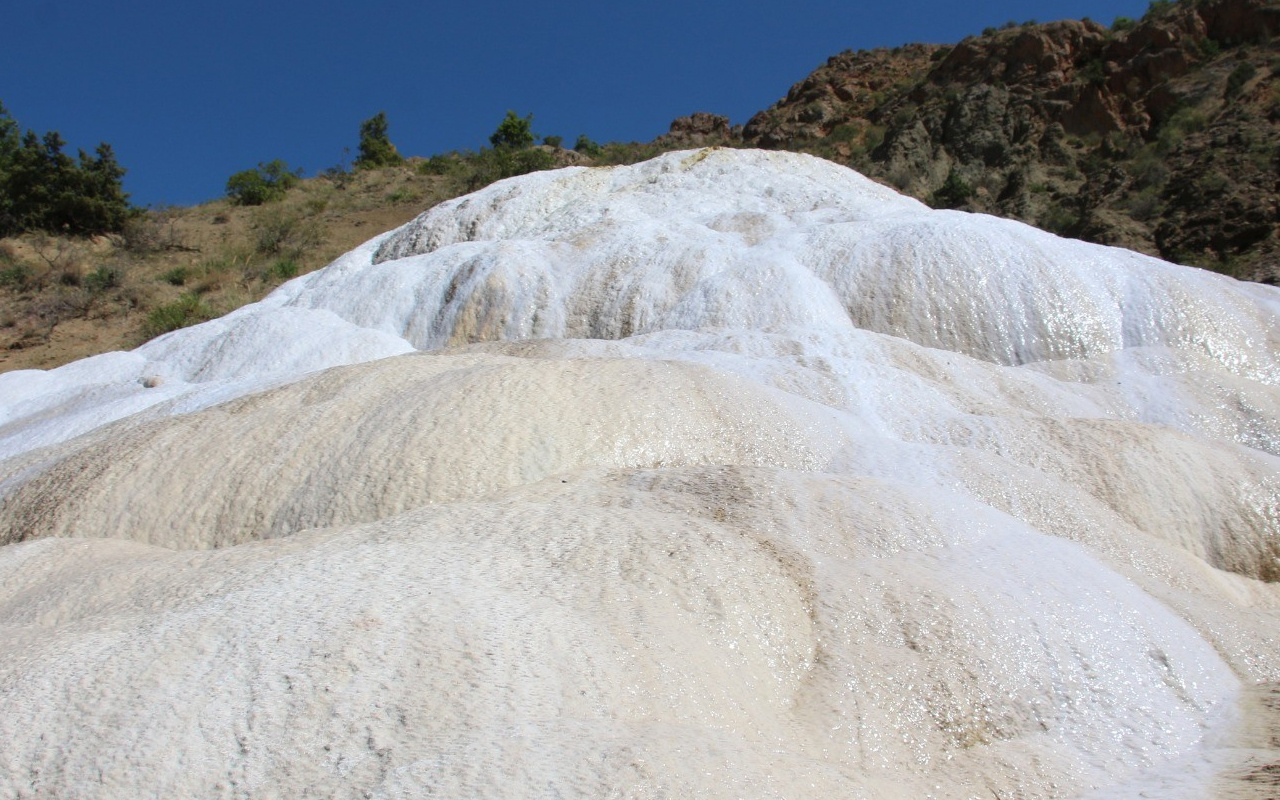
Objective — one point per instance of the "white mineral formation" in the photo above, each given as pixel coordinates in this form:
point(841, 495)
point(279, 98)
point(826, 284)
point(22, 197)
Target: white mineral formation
point(727, 475)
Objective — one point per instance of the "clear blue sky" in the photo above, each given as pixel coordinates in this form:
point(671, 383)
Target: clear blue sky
point(189, 93)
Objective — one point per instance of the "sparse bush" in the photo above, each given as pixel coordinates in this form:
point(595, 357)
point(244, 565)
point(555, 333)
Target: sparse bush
point(502, 162)
point(1122, 24)
point(439, 165)
point(1213, 183)
point(844, 133)
point(553, 141)
point(873, 138)
point(376, 149)
point(282, 269)
point(212, 273)
point(1145, 204)
point(188, 309)
point(267, 182)
point(513, 133)
point(1242, 74)
point(315, 205)
point(904, 116)
point(1176, 128)
point(151, 232)
point(338, 175)
point(900, 176)
point(1093, 73)
point(278, 232)
point(176, 276)
point(402, 195)
point(1059, 220)
point(586, 146)
point(16, 276)
point(102, 279)
point(954, 192)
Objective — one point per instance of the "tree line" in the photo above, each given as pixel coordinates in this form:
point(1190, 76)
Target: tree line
point(44, 189)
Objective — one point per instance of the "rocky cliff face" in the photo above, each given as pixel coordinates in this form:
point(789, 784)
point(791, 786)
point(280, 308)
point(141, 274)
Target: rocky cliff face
point(1158, 134)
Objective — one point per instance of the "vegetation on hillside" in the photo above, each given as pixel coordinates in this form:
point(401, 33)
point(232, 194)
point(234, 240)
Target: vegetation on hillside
point(376, 149)
point(44, 189)
point(264, 183)
point(65, 296)
point(1160, 134)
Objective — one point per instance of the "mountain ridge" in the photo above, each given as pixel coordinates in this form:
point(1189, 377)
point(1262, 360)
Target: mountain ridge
point(1159, 135)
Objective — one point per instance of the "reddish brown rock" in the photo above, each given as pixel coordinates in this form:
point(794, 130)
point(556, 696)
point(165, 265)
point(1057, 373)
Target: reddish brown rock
point(1073, 127)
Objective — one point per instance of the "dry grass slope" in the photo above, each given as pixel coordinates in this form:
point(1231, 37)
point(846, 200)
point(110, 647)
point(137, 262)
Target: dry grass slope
point(64, 298)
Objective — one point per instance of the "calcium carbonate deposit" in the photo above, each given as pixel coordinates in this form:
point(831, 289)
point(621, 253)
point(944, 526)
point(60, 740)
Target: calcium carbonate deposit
point(727, 475)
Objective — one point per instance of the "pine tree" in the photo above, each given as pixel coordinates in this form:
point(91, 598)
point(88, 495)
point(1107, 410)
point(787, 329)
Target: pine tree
point(44, 189)
point(376, 149)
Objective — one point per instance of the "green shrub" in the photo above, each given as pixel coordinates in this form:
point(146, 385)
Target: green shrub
point(186, 310)
point(1121, 24)
point(954, 192)
point(1059, 220)
point(845, 133)
point(279, 232)
point(1093, 73)
point(1148, 169)
point(1213, 183)
point(283, 269)
point(1175, 129)
point(553, 141)
point(266, 182)
point(513, 133)
point(176, 276)
point(501, 162)
point(438, 165)
point(903, 116)
point(585, 146)
point(16, 277)
point(376, 149)
point(402, 195)
point(1144, 205)
point(102, 279)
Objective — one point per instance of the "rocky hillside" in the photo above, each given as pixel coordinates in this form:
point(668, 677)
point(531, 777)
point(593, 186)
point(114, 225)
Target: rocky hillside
point(1157, 134)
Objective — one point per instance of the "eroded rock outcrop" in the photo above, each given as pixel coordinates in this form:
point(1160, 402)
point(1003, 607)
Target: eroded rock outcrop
point(1159, 135)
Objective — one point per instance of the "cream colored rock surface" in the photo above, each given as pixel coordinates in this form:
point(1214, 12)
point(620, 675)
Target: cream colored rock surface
point(730, 474)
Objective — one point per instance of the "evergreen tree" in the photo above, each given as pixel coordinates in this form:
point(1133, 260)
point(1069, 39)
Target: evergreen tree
point(42, 188)
point(513, 133)
point(98, 203)
point(10, 141)
point(376, 149)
